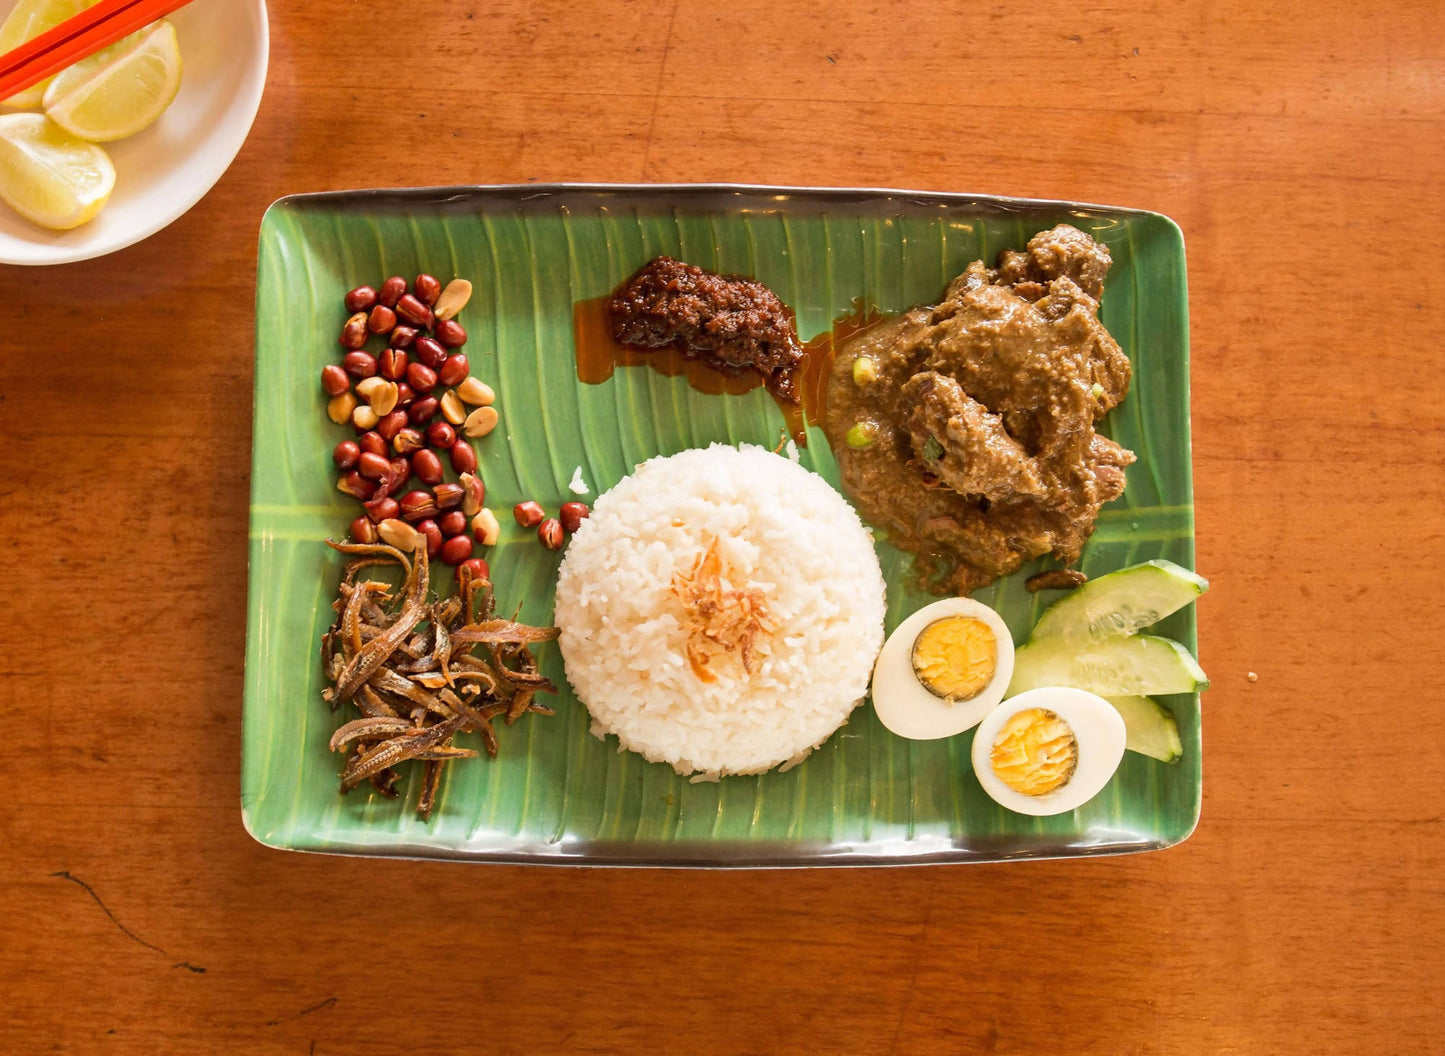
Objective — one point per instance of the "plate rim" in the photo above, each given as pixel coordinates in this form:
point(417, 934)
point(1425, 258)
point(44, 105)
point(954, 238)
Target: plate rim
point(441, 193)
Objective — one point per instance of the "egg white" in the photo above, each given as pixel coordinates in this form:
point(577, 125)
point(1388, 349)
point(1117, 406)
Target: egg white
point(905, 706)
point(1098, 730)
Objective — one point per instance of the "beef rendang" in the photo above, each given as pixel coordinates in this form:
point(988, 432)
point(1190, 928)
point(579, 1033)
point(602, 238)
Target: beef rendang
point(966, 429)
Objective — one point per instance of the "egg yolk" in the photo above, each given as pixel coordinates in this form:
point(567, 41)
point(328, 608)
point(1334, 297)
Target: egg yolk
point(1035, 752)
point(955, 658)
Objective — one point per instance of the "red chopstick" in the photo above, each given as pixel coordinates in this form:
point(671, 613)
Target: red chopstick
point(75, 38)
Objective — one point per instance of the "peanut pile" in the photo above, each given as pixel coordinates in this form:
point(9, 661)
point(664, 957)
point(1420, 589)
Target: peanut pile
point(415, 407)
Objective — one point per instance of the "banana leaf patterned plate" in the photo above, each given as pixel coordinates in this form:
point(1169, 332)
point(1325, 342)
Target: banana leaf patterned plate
point(555, 794)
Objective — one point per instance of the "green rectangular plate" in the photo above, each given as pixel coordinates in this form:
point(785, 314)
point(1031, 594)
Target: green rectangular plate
point(556, 794)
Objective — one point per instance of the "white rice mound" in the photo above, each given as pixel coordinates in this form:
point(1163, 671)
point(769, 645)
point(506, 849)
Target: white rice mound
point(781, 529)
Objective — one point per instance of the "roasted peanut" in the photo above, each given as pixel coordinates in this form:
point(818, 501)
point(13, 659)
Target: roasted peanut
point(372, 441)
point(429, 351)
point(572, 514)
point(421, 377)
point(359, 364)
point(382, 507)
point(452, 409)
point(353, 333)
point(476, 392)
point(422, 410)
point(392, 364)
point(450, 333)
point(441, 435)
point(334, 380)
point(418, 505)
point(366, 386)
point(391, 424)
point(400, 474)
point(373, 467)
point(340, 408)
point(427, 289)
point(433, 535)
point(427, 466)
point(551, 534)
point(381, 320)
point(463, 458)
point(485, 528)
point(354, 484)
point(481, 422)
point(453, 370)
point(345, 454)
point(453, 299)
point(383, 397)
point(391, 291)
point(456, 550)
point(362, 530)
point(385, 400)
point(407, 441)
point(360, 299)
point(414, 312)
point(474, 494)
point(399, 534)
point(448, 495)
point(475, 567)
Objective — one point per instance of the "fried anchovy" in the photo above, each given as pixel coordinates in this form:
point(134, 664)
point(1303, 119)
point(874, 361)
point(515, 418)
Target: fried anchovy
point(369, 728)
point(376, 652)
point(389, 681)
point(363, 549)
point(520, 703)
point(445, 752)
point(372, 704)
point(440, 647)
point(505, 631)
point(351, 642)
point(384, 781)
point(407, 664)
point(407, 746)
point(479, 720)
point(430, 782)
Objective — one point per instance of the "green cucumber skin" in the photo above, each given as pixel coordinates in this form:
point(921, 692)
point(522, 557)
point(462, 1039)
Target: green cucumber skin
point(1172, 585)
point(1059, 662)
point(1150, 728)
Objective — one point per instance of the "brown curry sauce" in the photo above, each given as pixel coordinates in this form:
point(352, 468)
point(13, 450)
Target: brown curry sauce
point(599, 355)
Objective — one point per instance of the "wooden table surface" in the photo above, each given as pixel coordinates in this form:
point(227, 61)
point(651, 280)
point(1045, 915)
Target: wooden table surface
point(1299, 145)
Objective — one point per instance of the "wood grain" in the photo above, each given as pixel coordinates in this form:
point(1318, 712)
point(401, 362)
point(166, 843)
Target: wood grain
point(1299, 146)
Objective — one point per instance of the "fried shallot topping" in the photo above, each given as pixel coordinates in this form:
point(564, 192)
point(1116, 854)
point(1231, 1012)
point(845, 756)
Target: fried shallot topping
point(721, 620)
point(410, 665)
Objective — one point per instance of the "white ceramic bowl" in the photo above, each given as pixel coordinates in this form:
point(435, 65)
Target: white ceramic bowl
point(169, 167)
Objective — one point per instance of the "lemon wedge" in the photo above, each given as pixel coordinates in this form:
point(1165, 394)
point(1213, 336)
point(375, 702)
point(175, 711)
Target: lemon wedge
point(48, 175)
point(26, 21)
point(119, 90)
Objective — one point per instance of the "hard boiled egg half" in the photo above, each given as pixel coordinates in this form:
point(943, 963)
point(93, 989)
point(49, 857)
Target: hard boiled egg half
point(1049, 750)
point(942, 670)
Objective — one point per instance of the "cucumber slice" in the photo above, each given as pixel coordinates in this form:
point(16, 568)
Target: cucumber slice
point(1121, 602)
point(1116, 667)
point(1149, 728)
